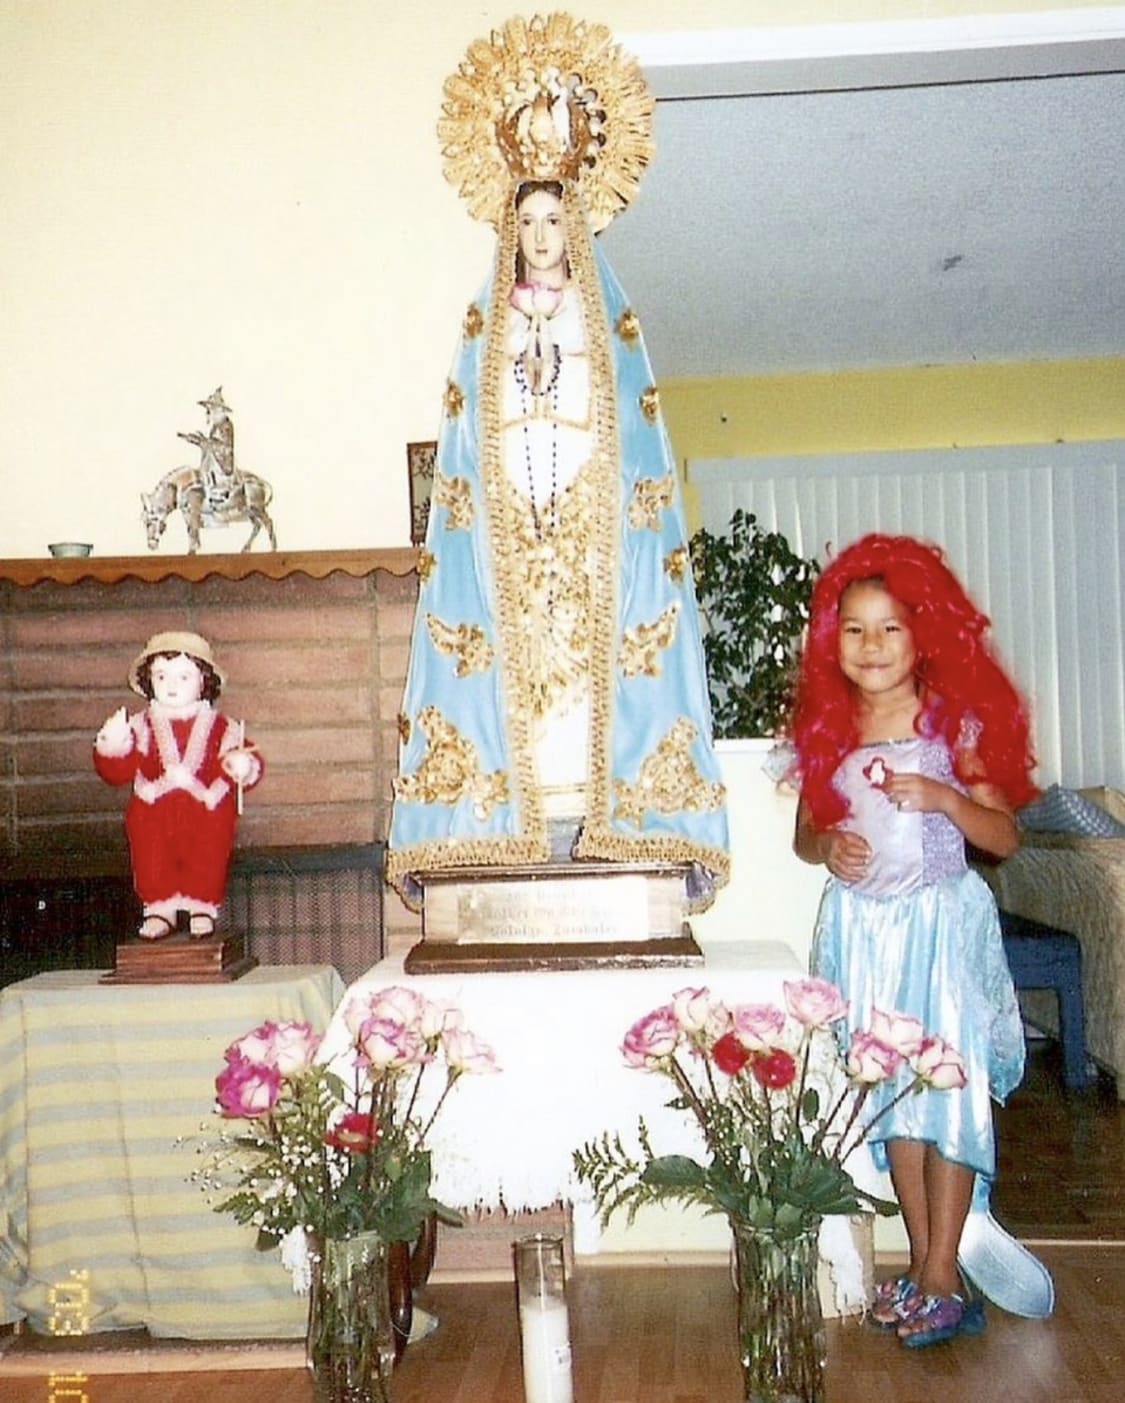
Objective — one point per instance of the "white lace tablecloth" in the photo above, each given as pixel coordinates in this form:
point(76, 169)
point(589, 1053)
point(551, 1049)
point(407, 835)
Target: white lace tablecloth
point(508, 1140)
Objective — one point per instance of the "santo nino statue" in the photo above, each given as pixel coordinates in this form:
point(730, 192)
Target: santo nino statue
point(188, 765)
point(556, 699)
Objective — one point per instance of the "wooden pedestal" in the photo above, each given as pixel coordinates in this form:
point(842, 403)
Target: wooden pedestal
point(180, 959)
point(558, 915)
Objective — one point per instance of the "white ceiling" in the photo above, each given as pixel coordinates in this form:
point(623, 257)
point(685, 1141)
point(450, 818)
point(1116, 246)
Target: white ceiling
point(933, 224)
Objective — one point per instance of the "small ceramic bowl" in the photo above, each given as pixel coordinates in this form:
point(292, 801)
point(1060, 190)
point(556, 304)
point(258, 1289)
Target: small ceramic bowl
point(70, 548)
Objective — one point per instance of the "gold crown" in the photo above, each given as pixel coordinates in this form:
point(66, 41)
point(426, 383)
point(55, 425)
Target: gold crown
point(547, 99)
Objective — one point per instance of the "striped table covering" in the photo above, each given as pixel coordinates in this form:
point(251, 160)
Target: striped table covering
point(100, 1228)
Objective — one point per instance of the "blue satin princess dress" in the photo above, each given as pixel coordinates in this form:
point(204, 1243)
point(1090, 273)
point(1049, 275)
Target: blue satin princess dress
point(919, 934)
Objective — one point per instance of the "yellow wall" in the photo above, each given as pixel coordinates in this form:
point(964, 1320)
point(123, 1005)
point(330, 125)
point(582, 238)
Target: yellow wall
point(961, 406)
point(248, 193)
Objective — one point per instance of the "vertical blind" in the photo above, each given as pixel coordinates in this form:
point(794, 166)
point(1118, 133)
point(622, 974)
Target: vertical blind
point(1035, 533)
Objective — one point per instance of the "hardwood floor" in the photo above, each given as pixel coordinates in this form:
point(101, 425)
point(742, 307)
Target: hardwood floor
point(646, 1335)
point(666, 1335)
point(1060, 1157)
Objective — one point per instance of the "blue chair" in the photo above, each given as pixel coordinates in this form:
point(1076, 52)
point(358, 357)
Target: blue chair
point(1041, 957)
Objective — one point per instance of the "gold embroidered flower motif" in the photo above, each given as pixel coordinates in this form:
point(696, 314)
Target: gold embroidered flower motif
point(465, 642)
point(403, 722)
point(628, 327)
point(450, 770)
point(676, 564)
point(668, 781)
point(473, 324)
point(455, 494)
point(651, 496)
point(454, 399)
point(640, 648)
point(427, 564)
point(650, 404)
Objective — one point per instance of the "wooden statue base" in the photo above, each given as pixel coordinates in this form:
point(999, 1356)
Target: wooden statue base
point(556, 915)
point(180, 959)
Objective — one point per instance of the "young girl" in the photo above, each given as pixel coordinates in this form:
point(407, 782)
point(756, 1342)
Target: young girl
point(186, 763)
point(910, 741)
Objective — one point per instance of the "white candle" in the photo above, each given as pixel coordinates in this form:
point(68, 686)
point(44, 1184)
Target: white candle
point(545, 1332)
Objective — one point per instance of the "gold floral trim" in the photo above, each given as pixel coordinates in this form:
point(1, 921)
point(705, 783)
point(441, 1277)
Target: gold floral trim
point(676, 564)
point(454, 399)
point(427, 564)
point(628, 328)
point(450, 770)
point(403, 723)
point(465, 642)
point(651, 496)
point(607, 530)
point(641, 646)
point(473, 324)
point(600, 842)
point(649, 400)
point(668, 781)
point(549, 98)
point(555, 600)
point(402, 865)
point(456, 495)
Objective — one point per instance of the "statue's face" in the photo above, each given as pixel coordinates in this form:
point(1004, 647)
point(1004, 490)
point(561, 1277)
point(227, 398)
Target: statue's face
point(542, 235)
point(176, 681)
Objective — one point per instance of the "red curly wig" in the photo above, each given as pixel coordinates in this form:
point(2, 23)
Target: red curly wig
point(958, 677)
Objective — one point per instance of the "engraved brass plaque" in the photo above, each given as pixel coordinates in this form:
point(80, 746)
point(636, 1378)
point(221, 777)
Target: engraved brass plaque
point(553, 910)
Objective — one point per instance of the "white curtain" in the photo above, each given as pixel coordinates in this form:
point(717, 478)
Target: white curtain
point(1035, 533)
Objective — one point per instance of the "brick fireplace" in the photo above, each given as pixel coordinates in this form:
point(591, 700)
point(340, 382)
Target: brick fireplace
point(314, 646)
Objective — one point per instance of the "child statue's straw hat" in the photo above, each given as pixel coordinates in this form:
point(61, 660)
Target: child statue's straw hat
point(192, 645)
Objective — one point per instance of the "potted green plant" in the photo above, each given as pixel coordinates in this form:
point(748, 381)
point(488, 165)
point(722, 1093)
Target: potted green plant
point(753, 592)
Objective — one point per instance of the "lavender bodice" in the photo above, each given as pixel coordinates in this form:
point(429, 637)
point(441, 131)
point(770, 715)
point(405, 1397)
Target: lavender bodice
point(908, 850)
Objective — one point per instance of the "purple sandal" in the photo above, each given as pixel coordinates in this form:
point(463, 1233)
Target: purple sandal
point(937, 1318)
point(894, 1301)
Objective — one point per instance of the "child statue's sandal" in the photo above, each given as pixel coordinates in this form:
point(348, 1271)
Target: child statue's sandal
point(155, 927)
point(201, 925)
point(940, 1318)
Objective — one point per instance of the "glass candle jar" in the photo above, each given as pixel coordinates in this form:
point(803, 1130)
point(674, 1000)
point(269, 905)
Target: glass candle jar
point(544, 1321)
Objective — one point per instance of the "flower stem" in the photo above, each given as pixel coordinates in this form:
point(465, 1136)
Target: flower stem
point(451, 1075)
point(915, 1082)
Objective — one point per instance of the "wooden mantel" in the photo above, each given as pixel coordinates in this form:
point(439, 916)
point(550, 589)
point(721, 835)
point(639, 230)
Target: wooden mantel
point(275, 565)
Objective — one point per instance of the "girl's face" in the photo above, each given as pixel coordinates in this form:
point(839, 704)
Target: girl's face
point(542, 236)
point(876, 644)
point(176, 681)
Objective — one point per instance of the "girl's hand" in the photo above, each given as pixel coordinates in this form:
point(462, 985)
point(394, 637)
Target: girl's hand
point(917, 793)
point(846, 854)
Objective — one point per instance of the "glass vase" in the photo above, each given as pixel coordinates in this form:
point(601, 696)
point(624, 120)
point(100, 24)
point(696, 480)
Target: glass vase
point(780, 1326)
point(350, 1344)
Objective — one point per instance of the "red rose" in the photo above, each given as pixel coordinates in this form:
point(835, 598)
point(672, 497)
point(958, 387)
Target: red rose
point(355, 1132)
point(775, 1069)
point(729, 1055)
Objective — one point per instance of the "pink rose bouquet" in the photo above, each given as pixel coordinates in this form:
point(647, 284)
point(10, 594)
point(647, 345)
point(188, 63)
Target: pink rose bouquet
point(779, 1104)
point(338, 1155)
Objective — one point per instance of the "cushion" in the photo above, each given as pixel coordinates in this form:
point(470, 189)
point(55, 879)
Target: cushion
point(1108, 798)
point(1059, 810)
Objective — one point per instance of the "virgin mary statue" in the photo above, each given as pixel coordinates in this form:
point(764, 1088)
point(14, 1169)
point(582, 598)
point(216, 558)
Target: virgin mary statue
point(556, 703)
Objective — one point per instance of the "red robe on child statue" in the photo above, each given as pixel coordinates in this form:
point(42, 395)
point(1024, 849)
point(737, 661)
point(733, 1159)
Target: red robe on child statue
point(182, 815)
